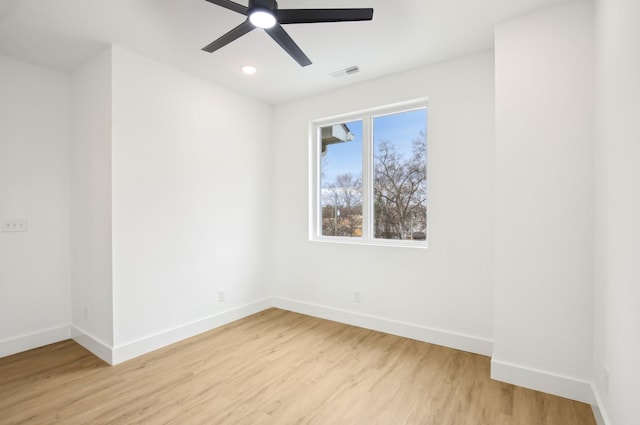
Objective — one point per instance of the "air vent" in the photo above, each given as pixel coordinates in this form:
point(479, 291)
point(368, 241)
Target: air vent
point(347, 71)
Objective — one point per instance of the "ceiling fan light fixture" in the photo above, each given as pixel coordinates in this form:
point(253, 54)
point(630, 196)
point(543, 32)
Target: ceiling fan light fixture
point(262, 18)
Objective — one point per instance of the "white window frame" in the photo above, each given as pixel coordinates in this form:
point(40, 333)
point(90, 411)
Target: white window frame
point(367, 116)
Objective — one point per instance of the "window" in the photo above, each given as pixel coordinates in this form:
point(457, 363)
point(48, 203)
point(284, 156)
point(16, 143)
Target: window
point(369, 176)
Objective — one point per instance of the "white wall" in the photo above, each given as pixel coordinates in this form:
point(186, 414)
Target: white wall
point(544, 200)
point(617, 295)
point(444, 293)
point(34, 184)
point(91, 264)
point(191, 183)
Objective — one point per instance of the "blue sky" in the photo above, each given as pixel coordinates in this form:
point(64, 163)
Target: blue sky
point(400, 129)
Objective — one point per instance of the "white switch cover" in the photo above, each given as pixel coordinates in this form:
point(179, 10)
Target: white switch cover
point(14, 225)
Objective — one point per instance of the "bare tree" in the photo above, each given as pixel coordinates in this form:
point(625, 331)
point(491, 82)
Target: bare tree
point(342, 206)
point(400, 191)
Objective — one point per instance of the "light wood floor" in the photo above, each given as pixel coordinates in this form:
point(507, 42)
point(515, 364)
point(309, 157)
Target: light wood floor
point(275, 367)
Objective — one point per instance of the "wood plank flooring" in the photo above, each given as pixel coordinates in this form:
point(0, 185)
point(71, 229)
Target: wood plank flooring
point(275, 367)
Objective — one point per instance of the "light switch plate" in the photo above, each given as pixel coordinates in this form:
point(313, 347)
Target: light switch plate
point(13, 225)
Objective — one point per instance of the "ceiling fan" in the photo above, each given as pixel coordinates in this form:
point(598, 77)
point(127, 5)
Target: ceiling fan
point(266, 15)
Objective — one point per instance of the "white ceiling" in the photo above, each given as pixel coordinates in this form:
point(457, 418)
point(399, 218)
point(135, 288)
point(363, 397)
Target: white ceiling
point(404, 34)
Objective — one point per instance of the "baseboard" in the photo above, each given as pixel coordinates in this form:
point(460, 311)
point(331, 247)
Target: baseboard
point(597, 414)
point(597, 405)
point(145, 345)
point(455, 340)
point(93, 344)
point(540, 380)
point(34, 340)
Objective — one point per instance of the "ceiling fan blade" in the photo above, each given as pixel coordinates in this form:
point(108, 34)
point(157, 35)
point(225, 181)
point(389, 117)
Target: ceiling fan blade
point(230, 5)
point(234, 34)
point(308, 16)
point(286, 42)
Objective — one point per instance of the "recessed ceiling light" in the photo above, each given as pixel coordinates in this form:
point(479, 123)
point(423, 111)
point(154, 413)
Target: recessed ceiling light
point(249, 70)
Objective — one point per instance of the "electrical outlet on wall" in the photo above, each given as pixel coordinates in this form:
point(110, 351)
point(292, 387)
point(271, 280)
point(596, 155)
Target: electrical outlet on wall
point(357, 297)
point(221, 295)
point(605, 379)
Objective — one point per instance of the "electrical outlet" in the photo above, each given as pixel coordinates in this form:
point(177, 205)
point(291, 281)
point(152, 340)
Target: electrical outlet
point(221, 296)
point(605, 379)
point(14, 225)
point(85, 312)
point(357, 296)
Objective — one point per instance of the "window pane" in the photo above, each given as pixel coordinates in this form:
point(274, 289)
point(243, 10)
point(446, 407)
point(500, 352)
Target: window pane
point(341, 179)
point(400, 175)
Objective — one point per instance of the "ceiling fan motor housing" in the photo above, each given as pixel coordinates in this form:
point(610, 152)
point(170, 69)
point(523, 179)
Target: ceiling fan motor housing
point(270, 6)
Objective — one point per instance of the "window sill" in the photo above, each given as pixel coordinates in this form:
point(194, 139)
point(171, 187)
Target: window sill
point(371, 242)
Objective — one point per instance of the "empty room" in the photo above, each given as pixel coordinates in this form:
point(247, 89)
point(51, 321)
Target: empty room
point(320, 212)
